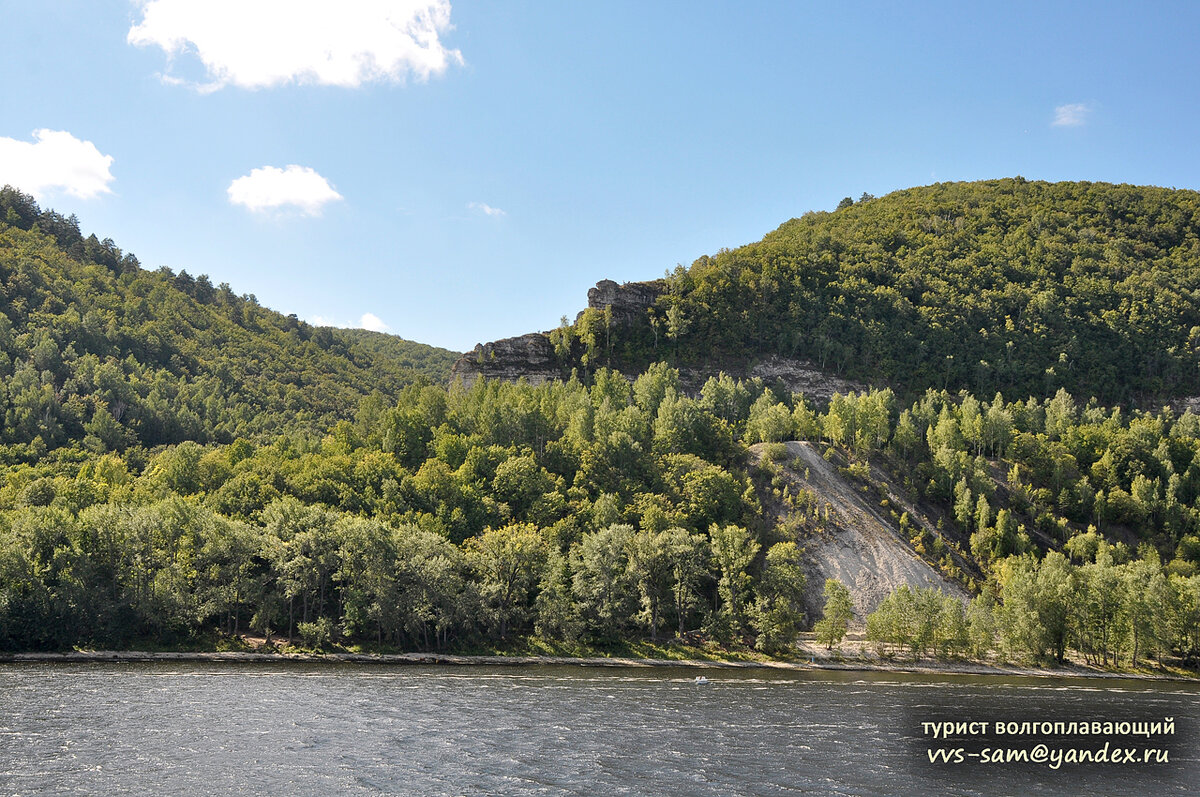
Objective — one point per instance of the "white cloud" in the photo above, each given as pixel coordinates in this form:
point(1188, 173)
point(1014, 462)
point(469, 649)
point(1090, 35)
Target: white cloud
point(272, 188)
point(485, 209)
point(1073, 115)
point(368, 321)
point(372, 322)
point(261, 43)
point(55, 160)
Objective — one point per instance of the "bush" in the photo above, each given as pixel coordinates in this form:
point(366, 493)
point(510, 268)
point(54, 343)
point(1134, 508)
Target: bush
point(776, 452)
point(316, 635)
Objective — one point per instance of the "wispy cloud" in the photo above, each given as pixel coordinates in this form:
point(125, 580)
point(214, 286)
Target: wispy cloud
point(486, 209)
point(55, 161)
point(1071, 115)
point(262, 43)
point(272, 188)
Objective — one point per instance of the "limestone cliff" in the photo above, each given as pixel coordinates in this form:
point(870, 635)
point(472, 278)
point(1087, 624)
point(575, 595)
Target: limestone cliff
point(629, 301)
point(529, 356)
point(533, 357)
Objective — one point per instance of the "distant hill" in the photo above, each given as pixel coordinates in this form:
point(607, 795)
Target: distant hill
point(96, 350)
point(402, 355)
point(1004, 285)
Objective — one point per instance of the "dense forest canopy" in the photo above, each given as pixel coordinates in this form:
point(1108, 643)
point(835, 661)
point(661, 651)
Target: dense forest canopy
point(96, 351)
point(1006, 285)
point(177, 462)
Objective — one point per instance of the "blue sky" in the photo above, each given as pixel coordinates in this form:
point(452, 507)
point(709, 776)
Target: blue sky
point(466, 171)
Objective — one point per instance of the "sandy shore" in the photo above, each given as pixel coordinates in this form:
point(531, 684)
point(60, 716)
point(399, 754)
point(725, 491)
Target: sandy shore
point(817, 664)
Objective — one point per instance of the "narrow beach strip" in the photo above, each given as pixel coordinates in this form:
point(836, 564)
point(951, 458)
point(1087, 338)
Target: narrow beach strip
point(923, 667)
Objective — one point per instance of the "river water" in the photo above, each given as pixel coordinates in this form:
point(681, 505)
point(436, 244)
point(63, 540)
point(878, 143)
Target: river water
point(324, 729)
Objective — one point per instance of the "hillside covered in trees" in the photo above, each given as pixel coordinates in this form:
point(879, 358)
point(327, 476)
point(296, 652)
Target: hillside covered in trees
point(98, 353)
point(1006, 285)
point(176, 485)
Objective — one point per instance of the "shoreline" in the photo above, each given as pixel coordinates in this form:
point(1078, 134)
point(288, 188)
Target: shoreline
point(448, 659)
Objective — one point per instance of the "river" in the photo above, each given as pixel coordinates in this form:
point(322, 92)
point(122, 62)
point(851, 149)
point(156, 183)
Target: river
point(332, 729)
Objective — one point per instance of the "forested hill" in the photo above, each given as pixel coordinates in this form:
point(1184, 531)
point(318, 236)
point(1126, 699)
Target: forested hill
point(171, 471)
point(96, 351)
point(1005, 285)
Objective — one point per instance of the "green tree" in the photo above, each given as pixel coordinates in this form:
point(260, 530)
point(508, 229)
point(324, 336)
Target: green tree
point(367, 577)
point(779, 608)
point(733, 551)
point(508, 562)
point(893, 623)
point(981, 623)
point(770, 421)
point(1101, 602)
point(839, 610)
point(602, 584)
point(650, 565)
point(557, 614)
point(689, 558)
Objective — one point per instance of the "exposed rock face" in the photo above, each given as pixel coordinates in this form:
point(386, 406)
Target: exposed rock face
point(628, 301)
point(1186, 404)
point(800, 376)
point(530, 356)
point(859, 546)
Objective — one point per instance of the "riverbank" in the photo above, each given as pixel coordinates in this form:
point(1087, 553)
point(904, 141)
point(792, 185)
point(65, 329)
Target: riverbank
point(815, 665)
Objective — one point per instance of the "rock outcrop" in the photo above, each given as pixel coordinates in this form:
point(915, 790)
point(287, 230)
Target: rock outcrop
point(799, 376)
point(629, 301)
point(533, 358)
point(529, 356)
point(1186, 404)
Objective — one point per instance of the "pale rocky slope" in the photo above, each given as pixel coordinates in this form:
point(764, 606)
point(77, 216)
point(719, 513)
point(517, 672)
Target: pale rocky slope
point(859, 544)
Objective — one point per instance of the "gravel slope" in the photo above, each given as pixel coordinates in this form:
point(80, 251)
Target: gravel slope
point(859, 547)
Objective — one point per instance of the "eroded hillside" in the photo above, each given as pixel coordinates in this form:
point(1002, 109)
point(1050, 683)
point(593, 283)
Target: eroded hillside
point(847, 530)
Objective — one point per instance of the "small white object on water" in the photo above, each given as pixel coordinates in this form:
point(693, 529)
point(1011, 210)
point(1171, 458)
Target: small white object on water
point(701, 680)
